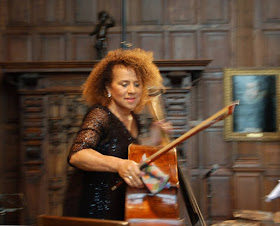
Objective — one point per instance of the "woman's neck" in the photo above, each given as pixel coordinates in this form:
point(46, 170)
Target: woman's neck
point(123, 114)
point(126, 117)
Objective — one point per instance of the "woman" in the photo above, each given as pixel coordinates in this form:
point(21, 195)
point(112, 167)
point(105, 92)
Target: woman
point(116, 90)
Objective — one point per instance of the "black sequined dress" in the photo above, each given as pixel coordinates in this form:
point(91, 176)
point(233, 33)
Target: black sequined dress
point(102, 131)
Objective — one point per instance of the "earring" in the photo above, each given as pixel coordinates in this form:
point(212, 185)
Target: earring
point(109, 95)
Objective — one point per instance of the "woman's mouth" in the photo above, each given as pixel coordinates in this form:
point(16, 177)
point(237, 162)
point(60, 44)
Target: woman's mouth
point(130, 100)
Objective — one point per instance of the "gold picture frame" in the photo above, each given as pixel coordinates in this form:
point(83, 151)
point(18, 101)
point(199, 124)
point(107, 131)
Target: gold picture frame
point(257, 117)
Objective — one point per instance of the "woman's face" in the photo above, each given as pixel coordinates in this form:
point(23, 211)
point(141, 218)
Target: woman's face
point(125, 89)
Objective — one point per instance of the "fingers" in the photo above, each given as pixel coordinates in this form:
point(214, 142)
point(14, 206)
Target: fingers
point(130, 172)
point(166, 126)
point(134, 181)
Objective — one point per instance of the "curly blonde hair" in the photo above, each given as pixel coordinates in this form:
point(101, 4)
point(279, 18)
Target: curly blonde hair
point(94, 89)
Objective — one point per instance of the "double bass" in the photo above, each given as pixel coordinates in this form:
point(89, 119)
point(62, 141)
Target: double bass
point(163, 208)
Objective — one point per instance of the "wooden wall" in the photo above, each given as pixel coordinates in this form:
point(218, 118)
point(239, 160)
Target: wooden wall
point(233, 33)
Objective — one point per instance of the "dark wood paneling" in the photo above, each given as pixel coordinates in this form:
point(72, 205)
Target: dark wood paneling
point(150, 12)
point(215, 11)
point(216, 45)
point(18, 47)
point(271, 155)
point(174, 21)
point(266, 25)
point(271, 48)
point(211, 93)
point(193, 157)
point(181, 12)
point(49, 12)
point(214, 149)
point(52, 47)
point(114, 40)
point(83, 47)
point(247, 191)
point(245, 56)
point(270, 11)
point(248, 150)
point(222, 199)
point(85, 12)
point(20, 12)
point(183, 45)
point(152, 42)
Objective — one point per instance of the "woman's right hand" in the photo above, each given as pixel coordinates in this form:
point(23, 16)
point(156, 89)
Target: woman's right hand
point(131, 173)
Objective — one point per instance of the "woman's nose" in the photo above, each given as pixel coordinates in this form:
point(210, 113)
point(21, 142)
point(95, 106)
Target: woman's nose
point(131, 88)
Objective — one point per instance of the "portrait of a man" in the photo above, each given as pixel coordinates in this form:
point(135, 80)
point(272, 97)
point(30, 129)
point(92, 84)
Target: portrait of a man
point(256, 112)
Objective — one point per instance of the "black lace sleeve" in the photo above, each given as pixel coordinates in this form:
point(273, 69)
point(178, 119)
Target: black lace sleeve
point(91, 130)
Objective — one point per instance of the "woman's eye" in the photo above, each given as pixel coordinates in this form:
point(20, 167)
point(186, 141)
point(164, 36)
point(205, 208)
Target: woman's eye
point(136, 84)
point(124, 84)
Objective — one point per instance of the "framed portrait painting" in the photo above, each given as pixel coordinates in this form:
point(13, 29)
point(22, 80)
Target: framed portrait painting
point(257, 117)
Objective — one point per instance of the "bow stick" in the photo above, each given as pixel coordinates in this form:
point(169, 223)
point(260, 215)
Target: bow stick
point(220, 115)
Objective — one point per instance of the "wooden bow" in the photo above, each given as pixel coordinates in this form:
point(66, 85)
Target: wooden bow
point(220, 115)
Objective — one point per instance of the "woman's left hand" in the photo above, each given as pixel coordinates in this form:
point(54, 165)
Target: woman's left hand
point(156, 130)
point(166, 126)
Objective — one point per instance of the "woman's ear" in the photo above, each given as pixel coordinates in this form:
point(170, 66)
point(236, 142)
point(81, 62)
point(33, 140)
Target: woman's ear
point(108, 91)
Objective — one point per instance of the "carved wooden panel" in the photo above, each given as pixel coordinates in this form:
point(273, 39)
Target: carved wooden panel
point(32, 152)
point(221, 202)
point(248, 150)
point(49, 12)
point(183, 45)
point(267, 29)
point(150, 12)
point(216, 45)
point(168, 25)
point(10, 164)
point(269, 11)
point(244, 39)
point(247, 191)
point(83, 47)
point(114, 40)
point(271, 155)
point(9, 159)
point(84, 12)
point(152, 42)
point(14, 43)
point(215, 11)
point(181, 11)
point(193, 153)
point(212, 89)
point(271, 48)
point(64, 113)
point(19, 12)
point(52, 47)
point(214, 150)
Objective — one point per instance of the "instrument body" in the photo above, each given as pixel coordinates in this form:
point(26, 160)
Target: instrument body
point(140, 203)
